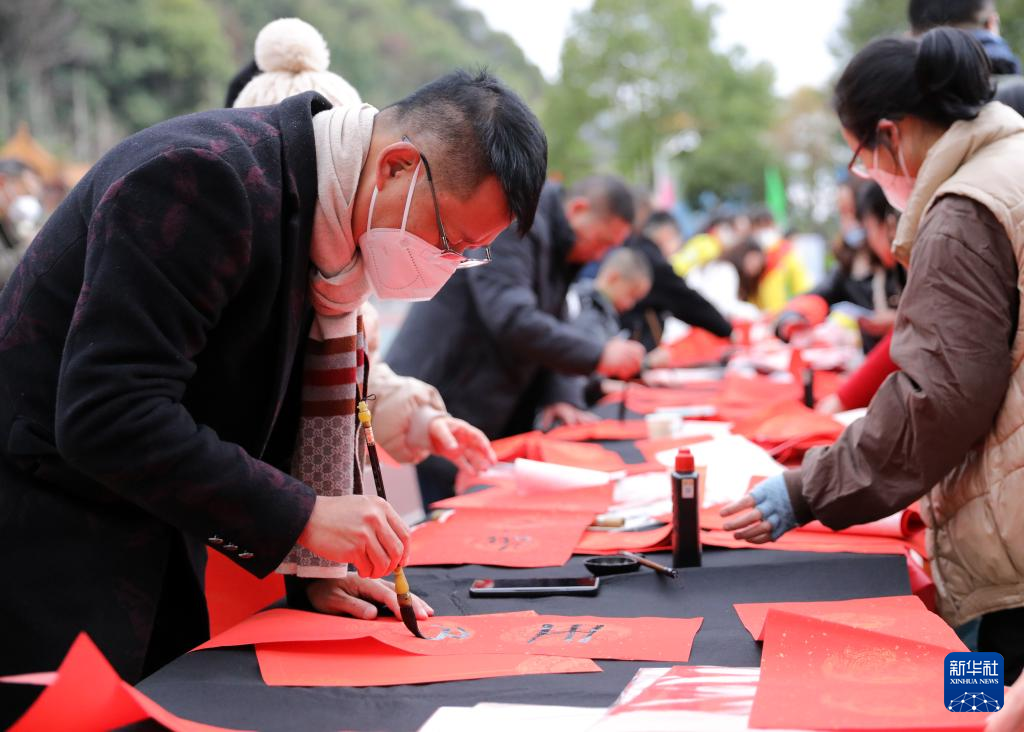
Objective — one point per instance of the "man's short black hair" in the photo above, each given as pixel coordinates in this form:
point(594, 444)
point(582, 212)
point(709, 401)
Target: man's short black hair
point(660, 218)
point(927, 14)
point(608, 194)
point(474, 126)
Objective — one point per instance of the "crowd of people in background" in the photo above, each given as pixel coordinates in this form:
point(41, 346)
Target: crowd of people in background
point(581, 294)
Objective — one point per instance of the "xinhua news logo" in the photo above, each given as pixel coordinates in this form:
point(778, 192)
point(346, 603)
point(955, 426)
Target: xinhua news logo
point(974, 682)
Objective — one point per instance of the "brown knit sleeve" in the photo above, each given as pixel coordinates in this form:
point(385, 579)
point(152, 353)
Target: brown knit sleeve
point(952, 341)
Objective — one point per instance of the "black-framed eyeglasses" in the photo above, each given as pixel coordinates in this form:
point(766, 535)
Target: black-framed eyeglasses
point(856, 167)
point(464, 262)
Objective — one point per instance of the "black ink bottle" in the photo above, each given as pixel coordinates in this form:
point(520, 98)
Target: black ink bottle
point(685, 512)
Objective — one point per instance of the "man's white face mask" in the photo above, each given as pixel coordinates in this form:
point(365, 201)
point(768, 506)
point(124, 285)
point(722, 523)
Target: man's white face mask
point(401, 265)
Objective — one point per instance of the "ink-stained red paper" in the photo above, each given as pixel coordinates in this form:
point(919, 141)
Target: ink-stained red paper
point(624, 639)
point(504, 538)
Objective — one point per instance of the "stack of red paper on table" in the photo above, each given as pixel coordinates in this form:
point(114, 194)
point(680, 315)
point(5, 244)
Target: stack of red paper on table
point(697, 348)
point(892, 535)
point(873, 664)
point(735, 397)
point(296, 648)
point(86, 693)
point(788, 429)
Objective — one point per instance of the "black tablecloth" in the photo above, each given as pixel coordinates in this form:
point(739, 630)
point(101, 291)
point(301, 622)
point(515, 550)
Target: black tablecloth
point(224, 687)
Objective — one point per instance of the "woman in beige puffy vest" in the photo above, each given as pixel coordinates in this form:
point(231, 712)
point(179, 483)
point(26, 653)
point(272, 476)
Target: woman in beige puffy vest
point(949, 427)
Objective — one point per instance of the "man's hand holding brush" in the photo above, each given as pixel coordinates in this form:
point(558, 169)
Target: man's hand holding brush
point(368, 533)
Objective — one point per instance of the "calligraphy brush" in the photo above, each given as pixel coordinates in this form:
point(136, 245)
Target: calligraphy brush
point(401, 583)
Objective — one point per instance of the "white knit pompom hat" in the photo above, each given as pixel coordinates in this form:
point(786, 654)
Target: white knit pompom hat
point(293, 57)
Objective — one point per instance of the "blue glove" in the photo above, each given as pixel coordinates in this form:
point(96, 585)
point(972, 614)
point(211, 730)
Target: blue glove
point(771, 498)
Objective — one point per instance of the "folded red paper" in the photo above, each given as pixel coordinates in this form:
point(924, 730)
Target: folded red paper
point(500, 537)
point(86, 693)
point(903, 616)
point(821, 675)
point(232, 594)
point(368, 662)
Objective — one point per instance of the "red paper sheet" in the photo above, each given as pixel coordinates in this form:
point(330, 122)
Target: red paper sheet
point(904, 616)
point(566, 451)
point(504, 538)
point(232, 594)
point(613, 542)
point(810, 541)
point(283, 625)
point(87, 693)
point(788, 426)
point(608, 429)
point(368, 662)
point(821, 675)
point(594, 500)
point(625, 639)
point(646, 400)
point(516, 446)
point(698, 348)
point(577, 455)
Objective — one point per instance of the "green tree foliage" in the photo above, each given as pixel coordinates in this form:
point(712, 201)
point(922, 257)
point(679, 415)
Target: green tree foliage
point(868, 19)
point(638, 73)
point(387, 48)
point(85, 73)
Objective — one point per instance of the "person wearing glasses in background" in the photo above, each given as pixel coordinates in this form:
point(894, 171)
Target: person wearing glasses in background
point(180, 353)
point(947, 428)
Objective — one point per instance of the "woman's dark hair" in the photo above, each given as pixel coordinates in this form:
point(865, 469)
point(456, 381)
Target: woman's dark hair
point(942, 77)
point(871, 201)
point(736, 257)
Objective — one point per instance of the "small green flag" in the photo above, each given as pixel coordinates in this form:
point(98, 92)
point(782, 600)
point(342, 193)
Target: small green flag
point(775, 196)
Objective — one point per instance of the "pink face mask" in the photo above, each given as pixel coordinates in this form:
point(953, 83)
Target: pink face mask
point(399, 264)
point(897, 188)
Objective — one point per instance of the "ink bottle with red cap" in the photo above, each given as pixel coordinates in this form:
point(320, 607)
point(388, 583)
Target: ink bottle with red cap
point(685, 512)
